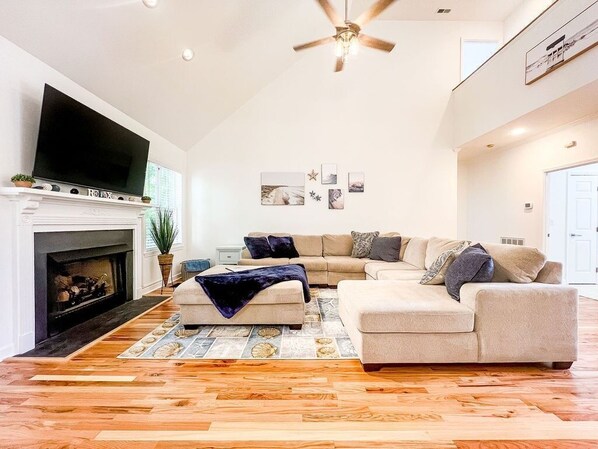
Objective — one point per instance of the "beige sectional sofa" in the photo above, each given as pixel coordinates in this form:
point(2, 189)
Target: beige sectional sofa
point(524, 315)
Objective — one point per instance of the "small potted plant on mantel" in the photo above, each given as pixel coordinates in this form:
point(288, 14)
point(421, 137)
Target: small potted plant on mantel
point(163, 232)
point(21, 180)
point(146, 199)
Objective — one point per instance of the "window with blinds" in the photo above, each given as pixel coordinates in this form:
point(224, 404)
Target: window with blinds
point(165, 187)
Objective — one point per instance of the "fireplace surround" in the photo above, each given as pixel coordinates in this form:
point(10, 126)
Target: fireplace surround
point(27, 213)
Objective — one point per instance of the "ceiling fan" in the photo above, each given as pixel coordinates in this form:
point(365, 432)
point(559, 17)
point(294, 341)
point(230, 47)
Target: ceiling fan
point(348, 33)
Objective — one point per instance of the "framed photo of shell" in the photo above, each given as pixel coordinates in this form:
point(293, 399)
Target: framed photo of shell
point(577, 36)
point(336, 199)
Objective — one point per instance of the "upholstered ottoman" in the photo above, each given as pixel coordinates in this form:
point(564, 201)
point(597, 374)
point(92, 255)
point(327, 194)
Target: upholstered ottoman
point(281, 303)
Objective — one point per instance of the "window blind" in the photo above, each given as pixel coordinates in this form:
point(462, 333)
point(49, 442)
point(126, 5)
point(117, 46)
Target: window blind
point(165, 187)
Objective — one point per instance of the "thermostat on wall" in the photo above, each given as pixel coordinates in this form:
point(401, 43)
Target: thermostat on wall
point(528, 206)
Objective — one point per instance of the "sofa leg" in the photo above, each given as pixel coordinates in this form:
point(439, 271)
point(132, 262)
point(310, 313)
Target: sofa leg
point(561, 365)
point(191, 327)
point(295, 327)
point(369, 367)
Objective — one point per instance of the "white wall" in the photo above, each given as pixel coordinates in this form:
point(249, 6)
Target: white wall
point(496, 94)
point(498, 182)
point(22, 79)
point(523, 15)
point(386, 115)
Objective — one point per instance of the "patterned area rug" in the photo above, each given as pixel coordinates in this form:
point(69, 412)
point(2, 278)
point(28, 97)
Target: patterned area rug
point(323, 336)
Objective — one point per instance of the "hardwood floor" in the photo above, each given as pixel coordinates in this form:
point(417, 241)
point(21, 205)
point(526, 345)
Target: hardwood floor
point(94, 400)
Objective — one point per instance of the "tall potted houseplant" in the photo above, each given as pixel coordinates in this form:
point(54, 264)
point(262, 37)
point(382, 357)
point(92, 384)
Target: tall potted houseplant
point(163, 232)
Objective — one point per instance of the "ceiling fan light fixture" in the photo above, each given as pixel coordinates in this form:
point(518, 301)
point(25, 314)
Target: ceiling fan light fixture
point(347, 43)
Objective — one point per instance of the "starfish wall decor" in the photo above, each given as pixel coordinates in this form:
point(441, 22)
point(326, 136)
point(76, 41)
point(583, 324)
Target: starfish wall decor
point(313, 175)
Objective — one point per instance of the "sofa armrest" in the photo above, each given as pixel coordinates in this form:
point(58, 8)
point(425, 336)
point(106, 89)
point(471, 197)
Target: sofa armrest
point(523, 322)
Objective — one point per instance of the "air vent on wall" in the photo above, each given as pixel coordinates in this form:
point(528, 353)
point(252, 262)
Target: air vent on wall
point(443, 11)
point(512, 241)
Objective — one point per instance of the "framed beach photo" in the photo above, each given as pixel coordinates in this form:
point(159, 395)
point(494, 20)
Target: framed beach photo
point(356, 182)
point(283, 189)
point(577, 36)
point(329, 174)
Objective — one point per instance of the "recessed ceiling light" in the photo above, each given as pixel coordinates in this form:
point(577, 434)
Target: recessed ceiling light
point(150, 3)
point(188, 54)
point(518, 131)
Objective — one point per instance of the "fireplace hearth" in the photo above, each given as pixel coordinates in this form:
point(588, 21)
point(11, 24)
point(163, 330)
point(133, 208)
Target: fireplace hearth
point(79, 275)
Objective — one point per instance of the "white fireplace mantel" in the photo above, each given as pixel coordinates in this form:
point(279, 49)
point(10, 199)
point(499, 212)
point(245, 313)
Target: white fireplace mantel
point(25, 212)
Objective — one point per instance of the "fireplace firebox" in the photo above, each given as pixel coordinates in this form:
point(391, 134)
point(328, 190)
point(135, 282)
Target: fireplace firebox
point(79, 275)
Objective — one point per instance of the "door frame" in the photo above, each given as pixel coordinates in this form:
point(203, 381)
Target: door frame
point(546, 211)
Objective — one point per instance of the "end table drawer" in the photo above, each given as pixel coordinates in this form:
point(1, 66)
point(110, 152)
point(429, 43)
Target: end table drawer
point(228, 257)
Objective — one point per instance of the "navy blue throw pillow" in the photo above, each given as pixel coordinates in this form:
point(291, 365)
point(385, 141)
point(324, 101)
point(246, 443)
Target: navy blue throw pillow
point(258, 247)
point(282, 247)
point(474, 264)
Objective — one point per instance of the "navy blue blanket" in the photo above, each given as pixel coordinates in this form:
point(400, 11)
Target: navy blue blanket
point(230, 292)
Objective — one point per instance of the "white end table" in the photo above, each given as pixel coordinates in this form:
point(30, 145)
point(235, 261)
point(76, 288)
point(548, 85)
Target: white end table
point(229, 254)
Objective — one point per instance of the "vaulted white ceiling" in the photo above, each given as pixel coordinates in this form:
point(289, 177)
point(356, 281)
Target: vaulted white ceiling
point(129, 55)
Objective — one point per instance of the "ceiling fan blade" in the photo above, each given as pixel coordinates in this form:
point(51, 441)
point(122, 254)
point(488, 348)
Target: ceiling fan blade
point(373, 42)
point(331, 13)
point(374, 11)
point(311, 44)
point(340, 64)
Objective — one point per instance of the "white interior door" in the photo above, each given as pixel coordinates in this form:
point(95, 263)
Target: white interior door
point(582, 227)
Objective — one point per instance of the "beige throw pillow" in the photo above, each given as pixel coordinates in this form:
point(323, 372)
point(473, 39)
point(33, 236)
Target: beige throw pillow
point(435, 274)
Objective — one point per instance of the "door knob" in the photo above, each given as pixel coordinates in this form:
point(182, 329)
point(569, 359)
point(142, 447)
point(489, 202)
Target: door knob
point(575, 235)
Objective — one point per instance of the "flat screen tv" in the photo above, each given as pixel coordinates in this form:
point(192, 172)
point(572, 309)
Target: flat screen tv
point(77, 145)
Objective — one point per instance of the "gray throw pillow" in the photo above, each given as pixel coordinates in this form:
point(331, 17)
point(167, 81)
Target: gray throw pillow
point(474, 264)
point(386, 249)
point(362, 243)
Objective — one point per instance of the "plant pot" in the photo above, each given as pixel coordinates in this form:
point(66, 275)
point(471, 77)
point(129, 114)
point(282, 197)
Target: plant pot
point(146, 201)
point(27, 184)
point(165, 262)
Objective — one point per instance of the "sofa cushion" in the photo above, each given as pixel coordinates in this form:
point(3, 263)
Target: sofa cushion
point(474, 264)
point(268, 261)
point(258, 247)
point(308, 245)
point(375, 267)
point(386, 249)
point(402, 307)
point(415, 253)
point(337, 244)
point(437, 246)
point(282, 246)
point(435, 274)
point(311, 263)
point(512, 263)
point(362, 243)
point(346, 264)
point(401, 275)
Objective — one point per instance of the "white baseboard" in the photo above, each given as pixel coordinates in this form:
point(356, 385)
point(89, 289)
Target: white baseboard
point(7, 351)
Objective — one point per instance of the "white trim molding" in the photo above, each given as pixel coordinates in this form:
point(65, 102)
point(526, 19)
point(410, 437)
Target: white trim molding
point(25, 212)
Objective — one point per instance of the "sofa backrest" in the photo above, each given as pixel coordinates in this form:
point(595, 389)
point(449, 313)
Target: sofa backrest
point(337, 244)
point(437, 246)
point(514, 263)
point(415, 252)
point(308, 245)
